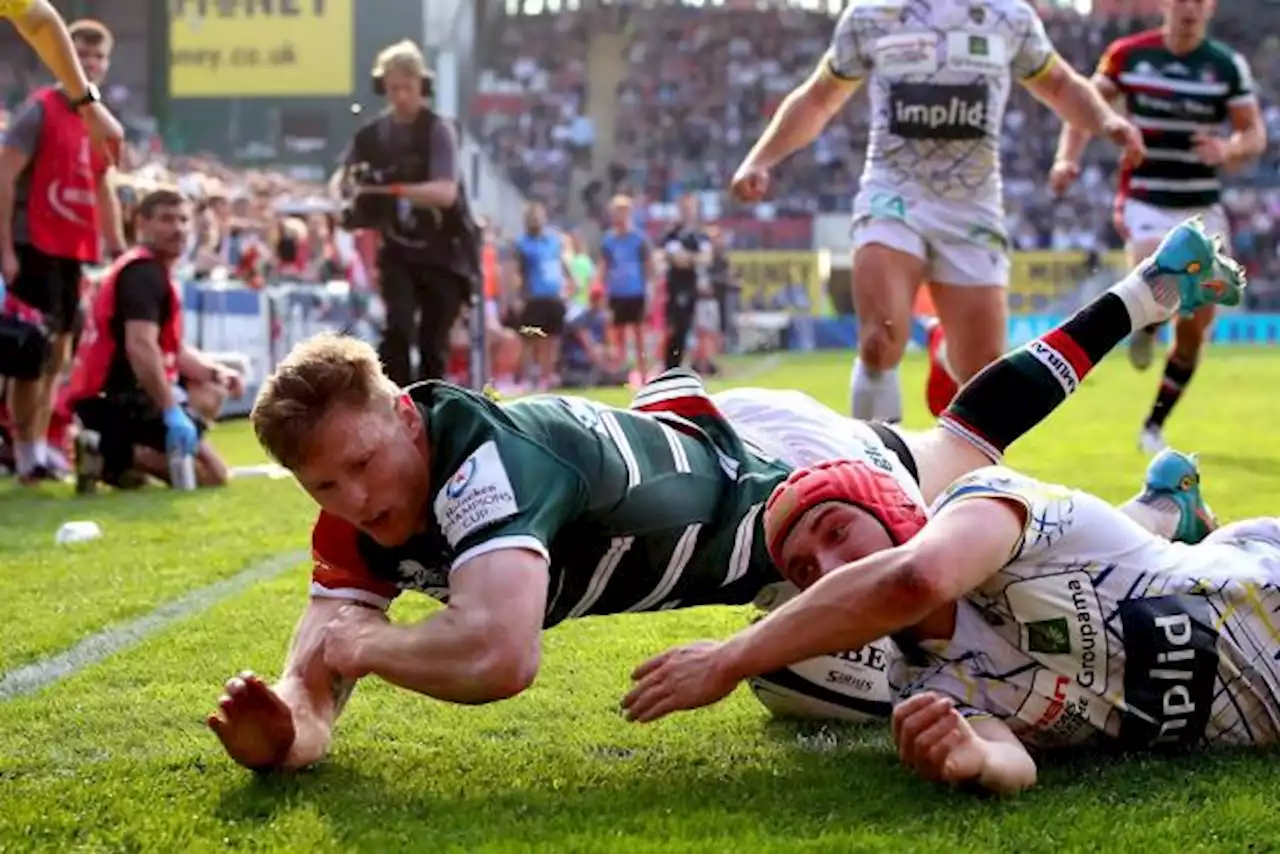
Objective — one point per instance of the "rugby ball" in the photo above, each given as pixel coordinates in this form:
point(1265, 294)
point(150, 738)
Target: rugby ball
point(849, 687)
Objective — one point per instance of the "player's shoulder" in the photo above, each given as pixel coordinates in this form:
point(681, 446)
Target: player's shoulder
point(1145, 40)
point(999, 482)
point(1223, 52)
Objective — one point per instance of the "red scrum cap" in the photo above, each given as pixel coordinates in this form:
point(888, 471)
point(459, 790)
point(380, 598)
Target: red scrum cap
point(850, 482)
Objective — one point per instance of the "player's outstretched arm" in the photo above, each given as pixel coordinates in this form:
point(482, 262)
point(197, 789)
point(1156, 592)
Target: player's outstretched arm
point(848, 608)
point(1080, 104)
point(289, 725)
point(485, 645)
point(939, 743)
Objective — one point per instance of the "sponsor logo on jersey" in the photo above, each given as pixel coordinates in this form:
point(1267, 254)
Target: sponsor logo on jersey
point(1170, 667)
point(477, 495)
point(977, 53)
point(938, 111)
point(1060, 712)
point(905, 54)
point(1062, 626)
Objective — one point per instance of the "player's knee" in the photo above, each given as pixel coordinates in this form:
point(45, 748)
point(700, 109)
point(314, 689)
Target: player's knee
point(881, 346)
point(965, 361)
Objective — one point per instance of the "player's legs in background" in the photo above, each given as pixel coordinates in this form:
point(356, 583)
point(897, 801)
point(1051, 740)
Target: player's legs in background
point(1189, 336)
point(887, 271)
point(1019, 390)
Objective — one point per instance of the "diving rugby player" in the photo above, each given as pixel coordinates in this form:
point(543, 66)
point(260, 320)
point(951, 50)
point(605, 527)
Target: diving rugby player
point(519, 516)
point(1028, 616)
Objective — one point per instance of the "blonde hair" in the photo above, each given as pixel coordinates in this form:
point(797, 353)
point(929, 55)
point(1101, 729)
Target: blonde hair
point(319, 375)
point(402, 56)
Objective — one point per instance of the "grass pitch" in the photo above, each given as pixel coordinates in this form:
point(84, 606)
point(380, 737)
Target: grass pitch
point(115, 757)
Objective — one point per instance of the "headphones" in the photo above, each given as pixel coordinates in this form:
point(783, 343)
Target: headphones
point(380, 87)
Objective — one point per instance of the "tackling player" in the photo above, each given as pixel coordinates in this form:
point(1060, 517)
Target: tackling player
point(930, 208)
point(1179, 87)
point(1028, 615)
point(522, 515)
point(44, 29)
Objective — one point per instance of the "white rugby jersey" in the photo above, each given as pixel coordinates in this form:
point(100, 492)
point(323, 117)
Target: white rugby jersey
point(1097, 630)
point(939, 74)
point(795, 428)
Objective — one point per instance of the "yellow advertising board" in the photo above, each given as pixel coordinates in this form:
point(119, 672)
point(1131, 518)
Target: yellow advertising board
point(766, 273)
point(1051, 274)
point(261, 48)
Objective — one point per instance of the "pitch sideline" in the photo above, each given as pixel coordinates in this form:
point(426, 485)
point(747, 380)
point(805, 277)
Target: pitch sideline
point(103, 644)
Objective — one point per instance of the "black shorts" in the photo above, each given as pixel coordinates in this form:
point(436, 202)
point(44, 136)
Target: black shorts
point(546, 315)
point(123, 421)
point(50, 285)
point(627, 311)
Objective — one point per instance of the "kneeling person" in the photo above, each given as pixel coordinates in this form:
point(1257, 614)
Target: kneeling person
point(127, 382)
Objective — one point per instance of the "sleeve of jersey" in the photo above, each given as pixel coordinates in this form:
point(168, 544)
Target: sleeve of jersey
point(1112, 62)
point(1244, 89)
point(1049, 509)
point(951, 679)
point(1035, 54)
point(508, 494)
point(338, 570)
point(845, 59)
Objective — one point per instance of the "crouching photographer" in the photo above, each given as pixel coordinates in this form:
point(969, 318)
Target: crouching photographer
point(400, 178)
point(142, 396)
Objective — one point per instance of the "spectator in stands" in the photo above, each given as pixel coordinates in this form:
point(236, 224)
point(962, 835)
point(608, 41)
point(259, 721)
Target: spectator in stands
point(55, 214)
point(544, 277)
point(136, 387)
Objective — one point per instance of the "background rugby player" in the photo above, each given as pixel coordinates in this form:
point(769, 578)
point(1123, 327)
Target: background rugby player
point(930, 208)
point(1179, 87)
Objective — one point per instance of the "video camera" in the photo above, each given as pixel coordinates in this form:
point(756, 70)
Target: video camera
point(367, 211)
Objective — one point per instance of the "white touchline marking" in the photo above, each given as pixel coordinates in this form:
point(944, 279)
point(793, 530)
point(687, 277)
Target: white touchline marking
point(106, 643)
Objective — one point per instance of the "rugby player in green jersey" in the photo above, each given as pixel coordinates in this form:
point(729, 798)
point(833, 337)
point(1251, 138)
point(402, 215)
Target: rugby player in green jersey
point(1179, 87)
point(521, 515)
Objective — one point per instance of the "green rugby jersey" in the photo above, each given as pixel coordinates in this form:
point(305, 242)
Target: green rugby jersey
point(635, 511)
point(1170, 97)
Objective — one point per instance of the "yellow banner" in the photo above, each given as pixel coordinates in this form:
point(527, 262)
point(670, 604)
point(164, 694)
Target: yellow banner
point(767, 274)
point(261, 48)
point(1052, 274)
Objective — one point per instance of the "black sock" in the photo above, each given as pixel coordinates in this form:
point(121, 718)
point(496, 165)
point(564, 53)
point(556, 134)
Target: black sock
point(1175, 381)
point(1016, 392)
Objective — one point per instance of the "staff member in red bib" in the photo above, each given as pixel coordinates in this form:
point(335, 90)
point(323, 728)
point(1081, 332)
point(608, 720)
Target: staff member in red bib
point(39, 23)
point(126, 381)
point(56, 210)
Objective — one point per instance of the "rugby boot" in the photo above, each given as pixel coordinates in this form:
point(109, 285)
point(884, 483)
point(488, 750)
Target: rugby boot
point(1190, 269)
point(1175, 477)
point(941, 385)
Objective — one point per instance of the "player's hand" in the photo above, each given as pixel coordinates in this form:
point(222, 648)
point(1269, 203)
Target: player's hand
point(682, 678)
point(1125, 134)
point(936, 741)
point(750, 183)
point(105, 131)
point(346, 639)
point(232, 382)
point(253, 723)
point(1063, 174)
point(1209, 149)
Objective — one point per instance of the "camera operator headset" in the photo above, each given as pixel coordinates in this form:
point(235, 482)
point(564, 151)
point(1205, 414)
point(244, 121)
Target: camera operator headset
point(401, 178)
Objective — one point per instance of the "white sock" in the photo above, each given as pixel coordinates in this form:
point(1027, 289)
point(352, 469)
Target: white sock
point(24, 456)
point(42, 452)
point(1146, 307)
point(875, 395)
point(1160, 517)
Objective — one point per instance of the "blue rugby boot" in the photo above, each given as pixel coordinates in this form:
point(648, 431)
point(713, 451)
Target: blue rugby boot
point(1173, 481)
point(1190, 269)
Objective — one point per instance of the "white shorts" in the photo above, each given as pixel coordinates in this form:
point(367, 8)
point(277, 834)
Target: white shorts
point(951, 239)
point(1149, 224)
point(795, 428)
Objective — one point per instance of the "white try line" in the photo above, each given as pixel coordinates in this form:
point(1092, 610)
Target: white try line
point(106, 643)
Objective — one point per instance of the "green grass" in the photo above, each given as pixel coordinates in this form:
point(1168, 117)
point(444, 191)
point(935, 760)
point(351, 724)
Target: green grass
point(116, 756)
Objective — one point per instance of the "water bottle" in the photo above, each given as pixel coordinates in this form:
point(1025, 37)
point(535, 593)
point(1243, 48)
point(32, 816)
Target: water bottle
point(182, 471)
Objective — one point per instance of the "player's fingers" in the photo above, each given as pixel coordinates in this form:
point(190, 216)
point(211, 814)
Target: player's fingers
point(920, 721)
point(651, 665)
point(943, 739)
point(906, 709)
point(639, 703)
point(215, 722)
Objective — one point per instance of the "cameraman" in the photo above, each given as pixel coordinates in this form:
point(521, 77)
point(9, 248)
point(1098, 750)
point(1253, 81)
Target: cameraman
point(404, 164)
